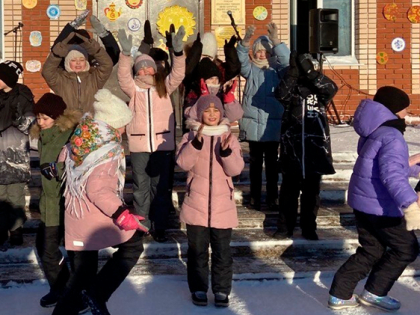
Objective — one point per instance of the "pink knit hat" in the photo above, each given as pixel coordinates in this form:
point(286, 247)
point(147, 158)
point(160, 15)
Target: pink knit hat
point(205, 101)
point(143, 61)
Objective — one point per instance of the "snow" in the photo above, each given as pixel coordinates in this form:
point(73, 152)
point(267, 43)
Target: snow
point(169, 295)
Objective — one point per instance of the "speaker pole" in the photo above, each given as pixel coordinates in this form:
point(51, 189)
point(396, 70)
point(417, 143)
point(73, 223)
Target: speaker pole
point(321, 60)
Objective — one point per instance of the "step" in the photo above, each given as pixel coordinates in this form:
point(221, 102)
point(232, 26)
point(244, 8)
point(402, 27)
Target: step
point(328, 216)
point(256, 256)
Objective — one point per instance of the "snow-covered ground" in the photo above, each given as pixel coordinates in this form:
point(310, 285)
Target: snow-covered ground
point(169, 295)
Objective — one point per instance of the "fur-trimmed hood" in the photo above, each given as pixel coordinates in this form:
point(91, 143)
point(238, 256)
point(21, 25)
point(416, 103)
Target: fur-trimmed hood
point(67, 121)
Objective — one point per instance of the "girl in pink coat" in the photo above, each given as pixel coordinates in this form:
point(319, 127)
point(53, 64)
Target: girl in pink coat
point(151, 134)
point(211, 155)
point(95, 214)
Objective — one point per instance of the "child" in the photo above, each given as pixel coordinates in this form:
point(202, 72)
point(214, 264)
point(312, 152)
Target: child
point(95, 214)
point(261, 122)
point(77, 83)
point(209, 75)
point(305, 93)
point(54, 127)
point(211, 155)
point(16, 116)
point(385, 205)
point(151, 134)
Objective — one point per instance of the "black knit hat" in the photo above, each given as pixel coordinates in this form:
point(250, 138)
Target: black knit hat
point(51, 105)
point(208, 69)
point(9, 72)
point(158, 54)
point(392, 98)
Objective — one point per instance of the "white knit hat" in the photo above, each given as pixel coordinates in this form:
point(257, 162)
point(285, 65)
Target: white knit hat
point(209, 45)
point(111, 109)
point(73, 54)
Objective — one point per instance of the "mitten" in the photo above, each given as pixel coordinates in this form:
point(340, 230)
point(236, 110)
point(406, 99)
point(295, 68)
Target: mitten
point(80, 20)
point(49, 170)
point(203, 87)
point(148, 38)
point(273, 33)
point(62, 48)
point(177, 39)
point(293, 67)
point(127, 221)
point(92, 46)
point(125, 42)
point(98, 26)
point(305, 63)
point(229, 95)
point(412, 217)
point(248, 34)
point(231, 43)
point(168, 36)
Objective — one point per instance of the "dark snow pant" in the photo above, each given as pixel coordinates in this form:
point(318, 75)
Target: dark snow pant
point(387, 248)
point(48, 240)
point(267, 151)
point(152, 176)
point(199, 239)
point(292, 184)
point(84, 276)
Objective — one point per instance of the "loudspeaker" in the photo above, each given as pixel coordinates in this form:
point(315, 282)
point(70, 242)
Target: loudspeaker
point(323, 31)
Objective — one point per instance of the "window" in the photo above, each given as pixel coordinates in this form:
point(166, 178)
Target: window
point(345, 29)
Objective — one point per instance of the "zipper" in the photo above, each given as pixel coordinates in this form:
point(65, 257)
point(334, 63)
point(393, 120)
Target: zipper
point(79, 90)
point(210, 175)
point(150, 120)
point(303, 138)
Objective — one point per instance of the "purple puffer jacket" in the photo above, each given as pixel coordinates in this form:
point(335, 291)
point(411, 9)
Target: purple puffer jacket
point(379, 183)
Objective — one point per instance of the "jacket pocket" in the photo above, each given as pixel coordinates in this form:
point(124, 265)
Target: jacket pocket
point(163, 132)
point(137, 134)
point(231, 189)
point(189, 186)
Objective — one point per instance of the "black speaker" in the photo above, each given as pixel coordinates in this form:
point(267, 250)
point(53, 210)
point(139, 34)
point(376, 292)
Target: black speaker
point(323, 31)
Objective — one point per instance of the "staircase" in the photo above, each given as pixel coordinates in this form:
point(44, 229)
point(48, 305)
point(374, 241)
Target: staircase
point(256, 254)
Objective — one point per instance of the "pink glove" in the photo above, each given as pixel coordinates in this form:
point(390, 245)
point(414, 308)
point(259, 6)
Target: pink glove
point(127, 221)
point(203, 87)
point(229, 95)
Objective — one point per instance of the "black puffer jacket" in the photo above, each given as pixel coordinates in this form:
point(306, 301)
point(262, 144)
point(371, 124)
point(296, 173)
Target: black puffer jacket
point(16, 116)
point(305, 134)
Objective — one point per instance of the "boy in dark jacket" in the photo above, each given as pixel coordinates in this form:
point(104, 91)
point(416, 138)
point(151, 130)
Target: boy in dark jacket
point(16, 101)
point(54, 127)
point(305, 153)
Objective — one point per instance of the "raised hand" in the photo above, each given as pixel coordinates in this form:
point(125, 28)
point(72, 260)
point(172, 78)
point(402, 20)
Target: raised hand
point(199, 135)
point(125, 42)
point(248, 34)
point(273, 33)
point(229, 91)
point(168, 36)
point(148, 38)
point(98, 26)
point(91, 45)
point(232, 41)
point(62, 48)
point(177, 39)
point(225, 142)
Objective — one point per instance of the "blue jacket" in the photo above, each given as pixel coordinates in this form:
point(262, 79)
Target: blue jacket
point(379, 183)
point(262, 111)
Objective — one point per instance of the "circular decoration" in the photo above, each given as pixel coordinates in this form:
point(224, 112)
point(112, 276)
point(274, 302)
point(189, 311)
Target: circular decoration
point(390, 12)
point(134, 24)
point(29, 4)
point(133, 4)
point(260, 13)
point(112, 13)
point(35, 38)
point(80, 4)
point(413, 14)
point(178, 16)
point(398, 44)
point(33, 65)
point(53, 11)
point(382, 57)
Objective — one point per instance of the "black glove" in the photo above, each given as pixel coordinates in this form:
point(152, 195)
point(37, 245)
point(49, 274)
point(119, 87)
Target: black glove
point(148, 38)
point(293, 68)
point(49, 170)
point(231, 43)
point(307, 66)
point(169, 36)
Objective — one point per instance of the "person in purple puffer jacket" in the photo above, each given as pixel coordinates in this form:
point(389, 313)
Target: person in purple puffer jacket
point(384, 203)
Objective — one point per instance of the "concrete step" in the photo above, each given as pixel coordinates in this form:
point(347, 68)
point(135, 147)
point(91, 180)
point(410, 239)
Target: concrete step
point(328, 216)
point(256, 256)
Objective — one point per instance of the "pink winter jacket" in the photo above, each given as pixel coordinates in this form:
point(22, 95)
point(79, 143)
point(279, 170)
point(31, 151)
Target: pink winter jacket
point(153, 125)
point(209, 199)
point(96, 229)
